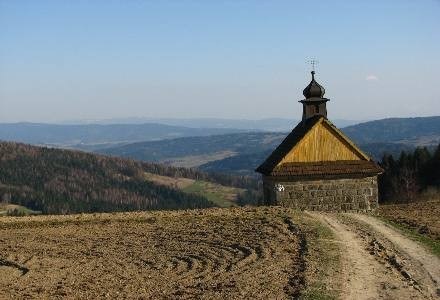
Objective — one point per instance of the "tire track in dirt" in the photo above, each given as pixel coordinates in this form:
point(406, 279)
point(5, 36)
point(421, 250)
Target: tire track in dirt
point(423, 265)
point(358, 267)
point(364, 275)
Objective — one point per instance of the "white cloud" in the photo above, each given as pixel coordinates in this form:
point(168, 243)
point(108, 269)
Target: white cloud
point(371, 77)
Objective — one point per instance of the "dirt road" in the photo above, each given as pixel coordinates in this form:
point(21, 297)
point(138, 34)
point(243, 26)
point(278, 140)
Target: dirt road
point(378, 262)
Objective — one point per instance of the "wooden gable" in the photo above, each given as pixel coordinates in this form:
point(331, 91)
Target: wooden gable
point(316, 147)
point(323, 142)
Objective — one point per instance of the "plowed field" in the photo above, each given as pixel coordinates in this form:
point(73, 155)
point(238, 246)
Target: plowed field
point(215, 253)
point(421, 216)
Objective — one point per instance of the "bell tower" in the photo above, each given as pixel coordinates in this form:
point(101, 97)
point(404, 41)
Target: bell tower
point(314, 103)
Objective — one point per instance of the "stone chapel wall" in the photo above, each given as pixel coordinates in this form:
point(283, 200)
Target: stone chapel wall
point(347, 194)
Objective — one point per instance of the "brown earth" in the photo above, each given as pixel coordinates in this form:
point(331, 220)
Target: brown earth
point(378, 262)
point(422, 216)
point(237, 253)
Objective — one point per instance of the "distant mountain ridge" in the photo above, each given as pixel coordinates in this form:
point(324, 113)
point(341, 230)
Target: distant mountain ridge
point(245, 151)
point(84, 136)
point(90, 135)
point(266, 124)
point(412, 131)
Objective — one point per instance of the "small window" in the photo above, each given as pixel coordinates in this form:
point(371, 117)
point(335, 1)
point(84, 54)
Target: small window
point(316, 108)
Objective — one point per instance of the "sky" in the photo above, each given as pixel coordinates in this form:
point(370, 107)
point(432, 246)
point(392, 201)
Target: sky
point(68, 60)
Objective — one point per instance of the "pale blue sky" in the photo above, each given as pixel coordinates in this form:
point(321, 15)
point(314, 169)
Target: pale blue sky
point(229, 59)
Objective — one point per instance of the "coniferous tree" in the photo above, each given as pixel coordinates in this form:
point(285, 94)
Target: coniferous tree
point(433, 169)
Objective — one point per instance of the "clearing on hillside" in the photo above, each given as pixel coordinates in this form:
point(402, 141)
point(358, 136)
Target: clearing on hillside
point(16, 210)
point(220, 195)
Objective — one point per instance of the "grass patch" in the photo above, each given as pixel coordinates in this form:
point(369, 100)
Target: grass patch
point(322, 258)
point(192, 161)
point(221, 196)
point(431, 244)
point(16, 210)
point(317, 293)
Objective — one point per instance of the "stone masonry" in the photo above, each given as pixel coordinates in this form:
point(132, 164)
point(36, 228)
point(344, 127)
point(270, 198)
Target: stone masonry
point(346, 194)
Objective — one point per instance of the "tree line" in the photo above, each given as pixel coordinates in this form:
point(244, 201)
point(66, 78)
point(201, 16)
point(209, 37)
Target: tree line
point(412, 176)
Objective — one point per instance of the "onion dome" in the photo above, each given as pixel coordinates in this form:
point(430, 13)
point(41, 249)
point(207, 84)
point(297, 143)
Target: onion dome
point(314, 89)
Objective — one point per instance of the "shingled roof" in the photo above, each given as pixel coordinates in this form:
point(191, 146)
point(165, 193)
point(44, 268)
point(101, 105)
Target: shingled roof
point(270, 166)
point(341, 167)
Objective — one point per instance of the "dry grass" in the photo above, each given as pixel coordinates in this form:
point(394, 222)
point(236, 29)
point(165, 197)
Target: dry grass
point(220, 195)
point(173, 182)
point(231, 253)
point(192, 161)
point(10, 209)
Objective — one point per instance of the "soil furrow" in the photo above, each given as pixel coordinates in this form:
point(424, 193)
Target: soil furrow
point(237, 253)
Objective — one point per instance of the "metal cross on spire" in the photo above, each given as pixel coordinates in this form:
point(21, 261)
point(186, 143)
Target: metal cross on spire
point(313, 62)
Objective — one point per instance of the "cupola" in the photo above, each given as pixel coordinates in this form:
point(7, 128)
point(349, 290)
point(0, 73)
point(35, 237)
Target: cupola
point(314, 104)
point(314, 89)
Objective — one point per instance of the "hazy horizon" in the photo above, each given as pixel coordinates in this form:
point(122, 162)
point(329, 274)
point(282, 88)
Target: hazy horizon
point(223, 59)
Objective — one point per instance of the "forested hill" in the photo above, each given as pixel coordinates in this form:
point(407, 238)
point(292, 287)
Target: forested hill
point(414, 131)
point(62, 181)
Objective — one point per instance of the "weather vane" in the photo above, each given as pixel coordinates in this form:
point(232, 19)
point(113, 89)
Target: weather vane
point(313, 62)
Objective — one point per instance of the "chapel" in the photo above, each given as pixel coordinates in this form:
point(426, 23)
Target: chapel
point(317, 167)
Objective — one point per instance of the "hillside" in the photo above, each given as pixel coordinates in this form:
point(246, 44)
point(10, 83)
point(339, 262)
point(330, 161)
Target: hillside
point(410, 131)
point(91, 136)
point(241, 153)
point(64, 181)
point(198, 150)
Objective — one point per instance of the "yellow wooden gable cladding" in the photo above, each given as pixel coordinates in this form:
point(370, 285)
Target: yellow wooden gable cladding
point(323, 142)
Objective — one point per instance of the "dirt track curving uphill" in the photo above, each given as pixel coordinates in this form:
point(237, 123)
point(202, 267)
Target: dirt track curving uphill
point(422, 266)
point(216, 253)
point(380, 263)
